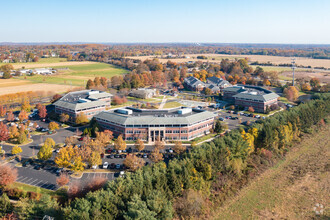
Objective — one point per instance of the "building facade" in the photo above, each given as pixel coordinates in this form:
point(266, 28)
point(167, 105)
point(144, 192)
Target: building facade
point(88, 102)
point(180, 124)
point(251, 96)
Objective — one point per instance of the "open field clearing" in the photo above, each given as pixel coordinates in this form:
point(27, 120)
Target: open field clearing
point(45, 87)
point(47, 62)
point(12, 82)
point(324, 77)
point(292, 188)
point(77, 75)
point(252, 58)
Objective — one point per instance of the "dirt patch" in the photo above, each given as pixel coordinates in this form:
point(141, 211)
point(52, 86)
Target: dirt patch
point(324, 77)
point(12, 82)
point(260, 58)
point(39, 65)
point(45, 87)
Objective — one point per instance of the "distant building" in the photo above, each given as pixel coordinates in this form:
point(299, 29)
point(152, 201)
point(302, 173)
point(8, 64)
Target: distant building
point(193, 83)
point(44, 71)
point(143, 93)
point(88, 102)
point(151, 125)
point(250, 96)
point(214, 83)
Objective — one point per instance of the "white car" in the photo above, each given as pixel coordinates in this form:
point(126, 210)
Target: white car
point(94, 167)
point(105, 165)
point(121, 173)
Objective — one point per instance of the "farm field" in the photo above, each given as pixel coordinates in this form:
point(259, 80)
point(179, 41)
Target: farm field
point(77, 75)
point(46, 62)
point(252, 58)
point(74, 74)
point(290, 189)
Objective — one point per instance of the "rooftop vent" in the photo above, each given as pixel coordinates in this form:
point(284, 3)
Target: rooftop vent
point(184, 111)
point(124, 111)
point(83, 100)
point(93, 92)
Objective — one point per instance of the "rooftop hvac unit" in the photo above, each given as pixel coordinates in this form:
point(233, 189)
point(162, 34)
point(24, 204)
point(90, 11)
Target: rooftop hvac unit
point(184, 111)
point(93, 92)
point(253, 93)
point(124, 111)
point(83, 100)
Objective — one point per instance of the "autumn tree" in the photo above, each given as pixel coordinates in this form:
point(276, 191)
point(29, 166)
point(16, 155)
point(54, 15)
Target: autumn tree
point(70, 140)
point(22, 116)
point(52, 126)
point(103, 137)
point(8, 175)
point(90, 84)
point(42, 112)
point(95, 159)
point(6, 69)
point(207, 91)
point(3, 111)
point(16, 150)
point(63, 179)
point(64, 118)
point(291, 93)
point(179, 148)
point(65, 156)
point(78, 164)
point(46, 150)
point(81, 119)
point(220, 127)
point(4, 134)
point(156, 156)
point(120, 144)
point(315, 83)
point(266, 82)
point(139, 145)
point(26, 105)
point(133, 162)
point(10, 116)
point(306, 87)
point(251, 109)
point(160, 145)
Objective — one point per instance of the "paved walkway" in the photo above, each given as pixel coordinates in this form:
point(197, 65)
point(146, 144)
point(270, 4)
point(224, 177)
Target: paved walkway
point(161, 106)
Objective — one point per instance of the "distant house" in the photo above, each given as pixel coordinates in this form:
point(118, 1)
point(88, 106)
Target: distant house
point(1, 74)
point(193, 83)
point(25, 71)
point(214, 88)
point(143, 93)
point(250, 96)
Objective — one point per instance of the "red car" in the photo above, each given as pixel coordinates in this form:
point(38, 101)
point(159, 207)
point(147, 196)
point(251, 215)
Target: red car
point(81, 139)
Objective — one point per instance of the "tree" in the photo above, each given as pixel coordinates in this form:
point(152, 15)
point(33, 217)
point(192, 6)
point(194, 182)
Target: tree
point(207, 91)
point(220, 127)
point(65, 156)
point(26, 105)
point(139, 145)
point(22, 138)
point(5, 205)
point(95, 159)
point(160, 145)
point(10, 116)
point(46, 151)
point(78, 165)
point(306, 87)
point(6, 69)
point(120, 144)
point(251, 109)
point(90, 84)
point(22, 116)
point(42, 112)
point(53, 126)
point(81, 119)
point(63, 179)
point(291, 93)
point(13, 132)
point(103, 138)
point(179, 148)
point(64, 118)
point(16, 150)
point(156, 156)
point(133, 162)
point(266, 82)
point(4, 134)
point(137, 209)
point(8, 175)
point(70, 140)
point(3, 111)
point(315, 83)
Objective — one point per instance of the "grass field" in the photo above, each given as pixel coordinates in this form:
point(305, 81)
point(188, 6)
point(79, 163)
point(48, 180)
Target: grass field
point(172, 105)
point(77, 75)
point(291, 188)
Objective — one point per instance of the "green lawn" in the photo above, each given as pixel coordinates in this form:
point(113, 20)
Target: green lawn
point(172, 104)
point(77, 75)
point(29, 188)
point(204, 138)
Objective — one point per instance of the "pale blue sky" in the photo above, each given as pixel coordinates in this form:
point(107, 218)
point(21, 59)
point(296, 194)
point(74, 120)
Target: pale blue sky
point(221, 21)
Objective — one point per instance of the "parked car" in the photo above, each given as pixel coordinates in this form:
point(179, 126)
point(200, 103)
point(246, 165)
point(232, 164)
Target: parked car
point(118, 166)
point(37, 167)
point(94, 167)
point(81, 139)
point(111, 156)
point(105, 165)
point(121, 173)
point(59, 170)
point(221, 119)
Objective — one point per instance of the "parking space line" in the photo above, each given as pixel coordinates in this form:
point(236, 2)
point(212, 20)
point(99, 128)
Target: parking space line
point(23, 179)
point(29, 180)
point(33, 181)
point(38, 183)
point(44, 184)
point(19, 178)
